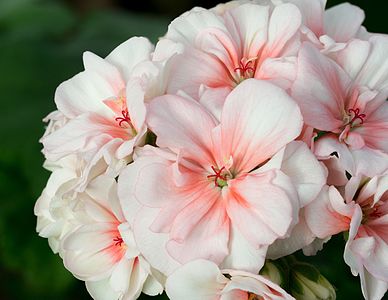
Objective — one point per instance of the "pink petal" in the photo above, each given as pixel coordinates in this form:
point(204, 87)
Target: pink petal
point(242, 255)
point(328, 214)
point(300, 237)
point(312, 14)
point(322, 82)
point(343, 21)
point(152, 245)
point(283, 25)
point(84, 92)
point(128, 54)
point(257, 121)
point(186, 27)
point(260, 210)
point(186, 74)
point(183, 124)
point(103, 68)
point(248, 23)
point(306, 172)
point(208, 239)
point(199, 279)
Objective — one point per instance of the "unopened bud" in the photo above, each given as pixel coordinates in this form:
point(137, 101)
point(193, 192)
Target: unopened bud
point(272, 272)
point(307, 283)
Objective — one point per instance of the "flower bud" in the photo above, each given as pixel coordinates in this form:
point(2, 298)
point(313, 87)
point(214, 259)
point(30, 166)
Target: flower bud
point(273, 272)
point(307, 283)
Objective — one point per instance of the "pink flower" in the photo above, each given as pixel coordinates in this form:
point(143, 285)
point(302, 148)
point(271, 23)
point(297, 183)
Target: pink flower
point(203, 280)
point(364, 213)
point(104, 106)
point(350, 107)
point(102, 251)
point(210, 193)
point(330, 30)
point(246, 40)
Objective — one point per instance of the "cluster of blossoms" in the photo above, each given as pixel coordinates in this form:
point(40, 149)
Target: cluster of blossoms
point(250, 131)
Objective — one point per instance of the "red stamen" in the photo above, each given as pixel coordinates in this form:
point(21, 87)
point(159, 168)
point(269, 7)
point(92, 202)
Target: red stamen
point(245, 68)
point(357, 115)
point(217, 175)
point(124, 118)
point(118, 241)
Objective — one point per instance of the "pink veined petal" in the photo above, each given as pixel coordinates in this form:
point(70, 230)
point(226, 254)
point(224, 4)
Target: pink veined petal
point(208, 239)
point(242, 255)
point(193, 68)
point(186, 210)
point(127, 55)
point(219, 44)
point(325, 220)
point(279, 71)
point(375, 129)
point(90, 252)
point(320, 81)
point(343, 21)
point(284, 23)
point(258, 119)
point(248, 23)
point(86, 133)
point(199, 279)
point(260, 210)
point(183, 124)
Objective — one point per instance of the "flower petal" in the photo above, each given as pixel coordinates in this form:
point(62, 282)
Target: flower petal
point(258, 119)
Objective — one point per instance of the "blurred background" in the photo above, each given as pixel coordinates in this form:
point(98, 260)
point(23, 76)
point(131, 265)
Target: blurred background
point(41, 45)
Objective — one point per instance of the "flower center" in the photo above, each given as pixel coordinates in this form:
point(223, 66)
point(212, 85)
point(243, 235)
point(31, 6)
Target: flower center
point(125, 121)
point(371, 213)
point(118, 241)
point(252, 296)
point(246, 68)
point(354, 118)
point(220, 177)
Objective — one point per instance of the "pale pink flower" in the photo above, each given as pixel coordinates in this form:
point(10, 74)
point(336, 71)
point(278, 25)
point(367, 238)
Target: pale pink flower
point(251, 40)
point(330, 30)
point(363, 211)
point(212, 194)
point(104, 105)
point(102, 251)
point(202, 279)
point(349, 107)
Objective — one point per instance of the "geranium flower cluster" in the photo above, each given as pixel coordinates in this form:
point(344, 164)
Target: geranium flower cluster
point(250, 131)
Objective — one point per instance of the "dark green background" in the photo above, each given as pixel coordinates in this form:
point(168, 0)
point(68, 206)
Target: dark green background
point(41, 45)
